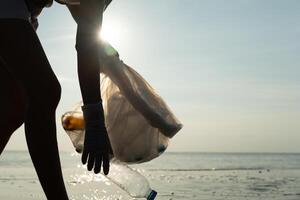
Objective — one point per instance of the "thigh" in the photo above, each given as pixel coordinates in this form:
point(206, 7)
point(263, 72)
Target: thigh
point(12, 104)
point(22, 53)
point(12, 99)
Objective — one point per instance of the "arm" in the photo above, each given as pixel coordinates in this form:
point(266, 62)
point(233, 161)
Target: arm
point(96, 145)
point(87, 45)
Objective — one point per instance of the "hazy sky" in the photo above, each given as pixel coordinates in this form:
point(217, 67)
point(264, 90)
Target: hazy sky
point(228, 69)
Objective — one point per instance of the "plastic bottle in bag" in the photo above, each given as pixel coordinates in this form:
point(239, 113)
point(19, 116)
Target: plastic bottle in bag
point(131, 181)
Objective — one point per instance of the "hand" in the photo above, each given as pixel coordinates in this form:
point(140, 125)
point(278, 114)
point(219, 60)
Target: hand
point(97, 148)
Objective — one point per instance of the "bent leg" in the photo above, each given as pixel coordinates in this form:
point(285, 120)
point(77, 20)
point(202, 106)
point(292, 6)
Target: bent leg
point(22, 52)
point(12, 106)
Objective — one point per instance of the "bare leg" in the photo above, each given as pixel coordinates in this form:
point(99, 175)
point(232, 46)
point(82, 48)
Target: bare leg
point(12, 106)
point(22, 53)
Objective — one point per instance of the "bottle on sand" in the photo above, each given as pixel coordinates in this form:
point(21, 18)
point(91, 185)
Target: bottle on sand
point(131, 181)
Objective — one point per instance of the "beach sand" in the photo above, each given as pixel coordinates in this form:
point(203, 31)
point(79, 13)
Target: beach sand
point(174, 176)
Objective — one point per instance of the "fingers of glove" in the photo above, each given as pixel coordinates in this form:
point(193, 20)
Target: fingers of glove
point(106, 163)
point(98, 162)
point(84, 156)
point(91, 161)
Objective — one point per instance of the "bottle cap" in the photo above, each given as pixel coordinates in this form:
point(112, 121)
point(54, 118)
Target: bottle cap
point(152, 195)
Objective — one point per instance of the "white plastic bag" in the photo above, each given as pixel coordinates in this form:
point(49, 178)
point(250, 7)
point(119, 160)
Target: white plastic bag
point(138, 121)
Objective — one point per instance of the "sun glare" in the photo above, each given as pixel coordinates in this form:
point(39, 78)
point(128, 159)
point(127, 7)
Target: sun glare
point(110, 32)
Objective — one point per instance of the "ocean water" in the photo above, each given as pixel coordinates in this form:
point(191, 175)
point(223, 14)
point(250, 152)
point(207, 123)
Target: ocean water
point(190, 176)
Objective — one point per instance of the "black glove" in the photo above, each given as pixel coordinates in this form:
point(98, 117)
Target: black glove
point(97, 148)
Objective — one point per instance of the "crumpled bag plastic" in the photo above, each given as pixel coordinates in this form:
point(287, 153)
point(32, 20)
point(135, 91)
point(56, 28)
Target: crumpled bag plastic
point(138, 121)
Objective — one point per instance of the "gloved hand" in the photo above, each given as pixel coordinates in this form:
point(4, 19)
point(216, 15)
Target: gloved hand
point(97, 148)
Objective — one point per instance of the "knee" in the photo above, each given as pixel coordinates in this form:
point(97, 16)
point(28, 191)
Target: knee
point(55, 93)
point(14, 122)
point(46, 96)
point(52, 94)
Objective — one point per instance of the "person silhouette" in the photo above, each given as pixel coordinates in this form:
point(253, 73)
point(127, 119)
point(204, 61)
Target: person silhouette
point(31, 91)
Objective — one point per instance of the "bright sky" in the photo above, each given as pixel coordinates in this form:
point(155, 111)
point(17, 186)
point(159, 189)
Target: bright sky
point(228, 69)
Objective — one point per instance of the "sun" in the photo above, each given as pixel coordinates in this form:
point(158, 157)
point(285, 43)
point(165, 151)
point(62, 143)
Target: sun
point(110, 32)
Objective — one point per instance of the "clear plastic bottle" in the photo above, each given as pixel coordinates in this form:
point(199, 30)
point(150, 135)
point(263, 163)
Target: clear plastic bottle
point(131, 181)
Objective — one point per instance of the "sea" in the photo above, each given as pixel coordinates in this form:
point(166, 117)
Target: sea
point(188, 176)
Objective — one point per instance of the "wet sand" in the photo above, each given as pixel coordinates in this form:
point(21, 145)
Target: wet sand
point(171, 175)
